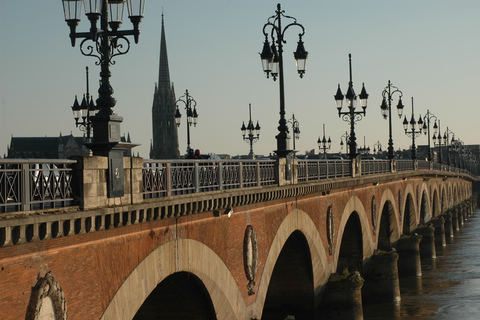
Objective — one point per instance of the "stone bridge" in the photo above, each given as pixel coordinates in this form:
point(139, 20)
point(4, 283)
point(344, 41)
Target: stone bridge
point(262, 252)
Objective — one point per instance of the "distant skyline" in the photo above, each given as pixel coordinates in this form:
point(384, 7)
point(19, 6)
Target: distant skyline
point(429, 49)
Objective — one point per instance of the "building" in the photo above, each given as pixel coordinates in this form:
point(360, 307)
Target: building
point(61, 147)
point(165, 135)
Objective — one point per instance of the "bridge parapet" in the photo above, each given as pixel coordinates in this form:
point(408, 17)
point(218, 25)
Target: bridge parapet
point(22, 227)
point(27, 185)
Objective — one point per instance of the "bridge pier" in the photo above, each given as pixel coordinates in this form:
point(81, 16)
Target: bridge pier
point(381, 278)
point(448, 225)
point(408, 249)
point(439, 225)
point(461, 218)
point(342, 297)
point(427, 244)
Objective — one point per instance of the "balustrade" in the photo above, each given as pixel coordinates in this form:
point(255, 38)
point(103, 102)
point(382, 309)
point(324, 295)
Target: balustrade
point(40, 187)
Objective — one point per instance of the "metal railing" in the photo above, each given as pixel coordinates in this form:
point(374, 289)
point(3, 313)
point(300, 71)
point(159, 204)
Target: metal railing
point(405, 165)
point(423, 165)
point(310, 170)
point(35, 184)
point(41, 184)
point(375, 166)
point(163, 178)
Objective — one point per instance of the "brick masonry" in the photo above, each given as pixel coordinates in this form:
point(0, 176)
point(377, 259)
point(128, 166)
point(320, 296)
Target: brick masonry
point(92, 267)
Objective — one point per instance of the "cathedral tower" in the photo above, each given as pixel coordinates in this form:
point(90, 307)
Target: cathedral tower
point(165, 136)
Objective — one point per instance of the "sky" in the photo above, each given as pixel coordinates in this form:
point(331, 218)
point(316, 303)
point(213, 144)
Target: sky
point(429, 49)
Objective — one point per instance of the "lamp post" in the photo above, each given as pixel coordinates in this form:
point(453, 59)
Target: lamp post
point(386, 108)
point(324, 144)
point(84, 111)
point(437, 140)
point(377, 147)
point(351, 115)
point(272, 62)
point(426, 127)
point(251, 133)
point(365, 149)
point(456, 145)
point(414, 132)
point(108, 42)
point(192, 115)
point(295, 129)
point(346, 137)
point(446, 140)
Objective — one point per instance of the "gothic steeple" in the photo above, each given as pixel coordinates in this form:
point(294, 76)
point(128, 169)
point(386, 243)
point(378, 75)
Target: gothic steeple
point(164, 74)
point(165, 135)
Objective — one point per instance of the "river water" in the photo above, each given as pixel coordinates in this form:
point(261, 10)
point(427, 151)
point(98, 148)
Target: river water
point(449, 287)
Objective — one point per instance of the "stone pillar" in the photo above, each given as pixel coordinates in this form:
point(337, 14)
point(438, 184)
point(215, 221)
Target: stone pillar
point(342, 298)
point(427, 245)
point(439, 224)
point(454, 216)
point(461, 222)
point(136, 180)
point(91, 189)
point(408, 249)
point(282, 174)
point(381, 278)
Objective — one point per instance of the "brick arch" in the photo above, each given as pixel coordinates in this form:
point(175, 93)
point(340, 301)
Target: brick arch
point(425, 212)
point(388, 200)
point(176, 256)
point(354, 204)
point(443, 199)
point(436, 205)
point(295, 220)
point(409, 215)
point(455, 195)
point(409, 190)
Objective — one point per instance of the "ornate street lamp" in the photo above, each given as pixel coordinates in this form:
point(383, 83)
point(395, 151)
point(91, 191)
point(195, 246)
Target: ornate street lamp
point(192, 115)
point(351, 115)
point(272, 63)
point(377, 147)
point(345, 137)
point(426, 127)
point(295, 129)
point(250, 133)
point(324, 144)
point(437, 140)
point(108, 42)
point(386, 108)
point(446, 140)
point(82, 113)
point(365, 149)
point(414, 130)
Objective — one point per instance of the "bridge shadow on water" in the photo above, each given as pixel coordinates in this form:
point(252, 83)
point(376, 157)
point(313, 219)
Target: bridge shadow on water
point(449, 287)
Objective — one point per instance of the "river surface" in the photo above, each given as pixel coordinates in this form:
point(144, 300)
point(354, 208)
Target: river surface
point(449, 287)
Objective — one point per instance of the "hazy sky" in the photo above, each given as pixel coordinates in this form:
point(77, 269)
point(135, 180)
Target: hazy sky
point(430, 49)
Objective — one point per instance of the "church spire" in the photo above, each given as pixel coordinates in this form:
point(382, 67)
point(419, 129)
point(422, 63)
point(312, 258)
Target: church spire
point(165, 136)
point(164, 74)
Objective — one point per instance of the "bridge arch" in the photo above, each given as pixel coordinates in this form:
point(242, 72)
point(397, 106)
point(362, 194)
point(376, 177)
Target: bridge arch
point(425, 213)
point(436, 206)
point(297, 221)
point(354, 229)
point(181, 294)
point(182, 255)
point(291, 290)
point(389, 229)
point(443, 199)
point(409, 215)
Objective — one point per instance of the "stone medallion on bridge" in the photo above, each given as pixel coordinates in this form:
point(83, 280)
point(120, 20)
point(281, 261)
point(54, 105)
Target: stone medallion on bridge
point(330, 229)
point(47, 300)
point(250, 257)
